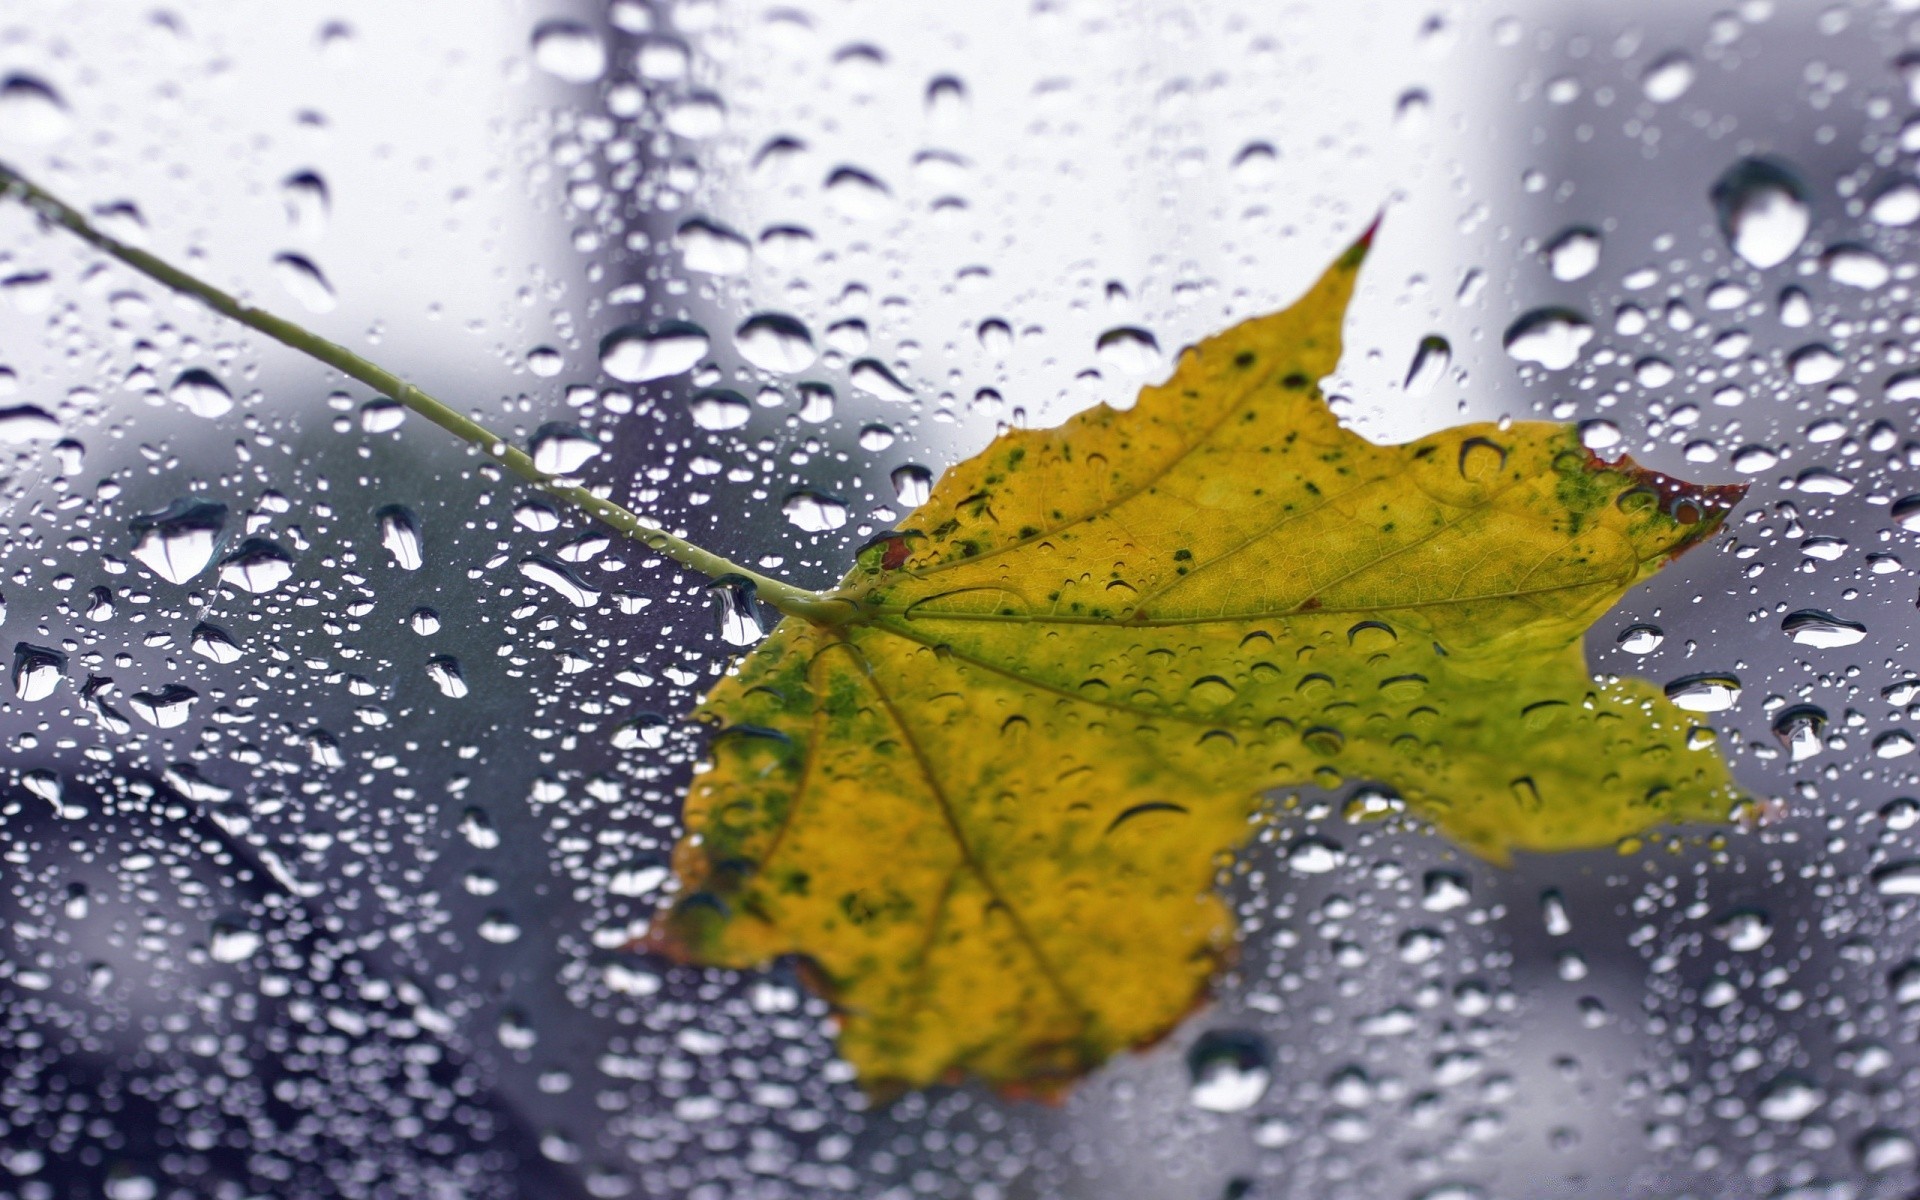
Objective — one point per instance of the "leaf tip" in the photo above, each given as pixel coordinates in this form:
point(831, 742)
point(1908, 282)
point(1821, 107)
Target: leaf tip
point(1357, 252)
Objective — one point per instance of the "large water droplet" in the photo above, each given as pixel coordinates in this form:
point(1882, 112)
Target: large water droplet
point(636, 354)
point(257, 566)
point(1574, 254)
point(201, 394)
point(444, 670)
point(1763, 211)
point(178, 542)
point(740, 623)
point(912, 484)
point(712, 248)
point(37, 671)
point(719, 409)
point(167, 708)
point(26, 423)
point(214, 643)
point(1551, 337)
point(1799, 729)
point(1430, 362)
point(304, 194)
point(1708, 693)
point(561, 579)
point(775, 342)
point(1230, 1070)
point(561, 449)
point(1821, 630)
point(569, 51)
point(304, 282)
point(400, 534)
point(31, 112)
point(815, 512)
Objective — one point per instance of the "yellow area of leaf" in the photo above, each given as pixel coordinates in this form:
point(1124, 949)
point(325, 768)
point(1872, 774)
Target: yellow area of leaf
point(990, 809)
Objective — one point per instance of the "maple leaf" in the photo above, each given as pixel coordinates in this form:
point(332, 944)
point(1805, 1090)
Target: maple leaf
point(989, 807)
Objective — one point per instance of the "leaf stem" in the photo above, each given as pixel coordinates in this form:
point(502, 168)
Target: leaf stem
point(785, 597)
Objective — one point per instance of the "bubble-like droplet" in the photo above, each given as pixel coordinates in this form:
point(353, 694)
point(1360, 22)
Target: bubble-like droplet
point(740, 623)
point(31, 112)
point(1821, 630)
point(1762, 207)
point(1128, 350)
point(1230, 1070)
point(37, 671)
point(400, 534)
point(201, 394)
point(478, 828)
point(569, 51)
point(1789, 1098)
point(1551, 337)
point(558, 448)
point(912, 484)
point(257, 566)
point(305, 196)
point(775, 342)
point(178, 542)
point(1751, 460)
point(856, 194)
point(1856, 267)
point(231, 943)
point(167, 708)
point(214, 643)
point(26, 423)
point(1574, 254)
point(1430, 362)
point(1641, 639)
point(444, 670)
point(1313, 855)
point(1706, 693)
point(711, 248)
point(1745, 930)
point(381, 415)
point(1896, 204)
point(1814, 364)
point(636, 354)
point(304, 282)
point(719, 409)
point(1799, 729)
point(1667, 78)
point(876, 380)
point(648, 731)
point(814, 512)
point(561, 579)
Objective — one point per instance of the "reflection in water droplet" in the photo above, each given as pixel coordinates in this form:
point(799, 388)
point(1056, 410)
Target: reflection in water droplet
point(1821, 630)
point(167, 708)
point(775, 342)
point(37, 671)
point(257, 566)
point(1430, 362)
point(26, 423)
point(712, 249)
point(444, 671)
point(400, 534)
point(874, 379)
point(1574, 254)
point(214, 643)
point(304, 282)
point(814, 512)
point(1230, 1070)
point(636, 354)
point(558, 448)
point(1551, 337)
point(1763, 212)
point(31, 112)
point(561, 579)
point(1128, 350)
point(1799, 729)
point(201, 394)
point(1707, 693)
point(912, 484)
point(178, 542)
point(1641, 639)
point(740, 623)
point(719, 409)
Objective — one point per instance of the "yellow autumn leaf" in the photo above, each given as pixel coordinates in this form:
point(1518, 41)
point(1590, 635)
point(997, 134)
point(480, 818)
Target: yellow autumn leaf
point(988, 806)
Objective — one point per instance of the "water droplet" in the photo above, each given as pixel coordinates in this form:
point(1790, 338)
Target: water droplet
point(719, 409)
point(639, 879)
point(712, 249)
point(874, 379)
point(201, 394)
point(1814, 364)
point(1763, 212)
point(1128, 350)
point(1444, 891)
point(478, 828)
point(400, 534)
point(1430, 362)
point(561, 579)
point(561, 449)
point(636, 354)
point(648, 731)
point(946, 101)
point(1709, 693)
point(1745, 930)
point(1906, 513)
point(1821, 630)
point(499, 928)
point(214, 643)
point(912, 485)
point(1574, 254)
point(305, 196)
point(1856, 267)
point(858, 195)
point(1641, 639)
point(1553, 913)
point(1312, 855)
point(31, 112)
point(740, 623)
point(816, 403)
point(1898, 879)
point(26, 423)
point(1667, 78)
point(775, 342)
point(178, 542)
point(381, 415)
point(257, 566)
point(167, 708)
point(1230, 1070)
point(37, 671)
point(1789, 1098)
point(1799, 729)
point(701, 115)
point(814, 512)
point(230, 943)
point(569, 51)
point(304, 282)
point(1551, 337)
point(1752, 460)
point(1897, 204)
point(1895, 743)
point(1599, 435)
